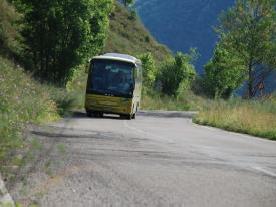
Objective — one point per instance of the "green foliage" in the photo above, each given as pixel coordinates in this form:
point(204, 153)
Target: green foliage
point(128, 2)
point(9, 32)
point(22, 101)
point(249, 28)
point(177, 73)
point(186, 101)
point(62, 34)
point(224, 73)
point(149, 69)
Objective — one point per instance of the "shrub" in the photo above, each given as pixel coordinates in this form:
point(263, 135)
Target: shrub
point(149, 69)
point(177, 74)
point(224, 73)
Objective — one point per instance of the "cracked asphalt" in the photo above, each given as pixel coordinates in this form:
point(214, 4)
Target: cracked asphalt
point(155, 160)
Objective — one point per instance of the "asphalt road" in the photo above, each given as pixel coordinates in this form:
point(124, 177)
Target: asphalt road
point(151, 161)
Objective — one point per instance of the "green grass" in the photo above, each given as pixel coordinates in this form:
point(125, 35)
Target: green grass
point(186, 101)
point(255, 117)
point(24, 101)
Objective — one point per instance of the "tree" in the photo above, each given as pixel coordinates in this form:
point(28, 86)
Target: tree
point(9, 29)
point(128, 2)
point(224, 73)
point(249, 28)
point(177, 73)
point(61, 34)
point(149, 69)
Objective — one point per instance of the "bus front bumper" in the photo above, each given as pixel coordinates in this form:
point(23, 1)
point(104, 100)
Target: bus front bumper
point(108, 104)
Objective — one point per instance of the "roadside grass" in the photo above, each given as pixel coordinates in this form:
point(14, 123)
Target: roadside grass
point(254, 117)
point(186, 101)
point(24, 101)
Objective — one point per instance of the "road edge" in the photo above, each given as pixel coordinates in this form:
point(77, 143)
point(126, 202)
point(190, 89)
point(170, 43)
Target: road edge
point(169, 114)
point(5, 198)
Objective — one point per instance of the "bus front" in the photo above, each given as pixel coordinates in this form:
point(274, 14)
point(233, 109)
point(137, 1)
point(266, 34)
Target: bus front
point(110, 87)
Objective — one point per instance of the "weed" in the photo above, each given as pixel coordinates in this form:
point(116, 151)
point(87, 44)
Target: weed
point(255, 117)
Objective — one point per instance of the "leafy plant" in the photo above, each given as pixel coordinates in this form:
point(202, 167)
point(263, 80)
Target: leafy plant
point(224, 73)
point(177, 73)
point(249, 28)
point(63, 34)
point(149, 69)
point(9, 28)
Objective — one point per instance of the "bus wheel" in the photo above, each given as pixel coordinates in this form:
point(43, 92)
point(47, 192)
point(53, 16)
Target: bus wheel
point(98, 114)
point(88, 114)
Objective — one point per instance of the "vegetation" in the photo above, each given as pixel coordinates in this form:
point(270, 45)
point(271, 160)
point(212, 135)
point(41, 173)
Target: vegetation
point(255, 117)
point(149, 70)
point(224, 73)
point(60, 35)
point(9, 34)
point(247, 34)
point(53, 44)
point(245, 52)
point(176, 74)
point(128, 36)
point(128, 2)
point(186, 101)
point(22, 101)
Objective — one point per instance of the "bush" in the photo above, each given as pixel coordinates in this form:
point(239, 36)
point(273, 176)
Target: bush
point(22, 101)
point(223, 73)
point(149, 70)
point(176, 74)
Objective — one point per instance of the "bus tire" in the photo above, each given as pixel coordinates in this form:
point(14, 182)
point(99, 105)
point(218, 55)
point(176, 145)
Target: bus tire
point(100, 114)
point(88, 114)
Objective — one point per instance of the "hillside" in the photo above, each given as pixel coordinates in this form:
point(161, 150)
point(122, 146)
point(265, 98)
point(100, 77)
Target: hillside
point(128, 35)
point(181, 24)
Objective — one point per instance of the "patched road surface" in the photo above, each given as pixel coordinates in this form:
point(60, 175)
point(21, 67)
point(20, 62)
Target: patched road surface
point(155, 160)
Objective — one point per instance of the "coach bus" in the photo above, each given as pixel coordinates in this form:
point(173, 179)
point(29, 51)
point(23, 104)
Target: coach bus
point(114, 85)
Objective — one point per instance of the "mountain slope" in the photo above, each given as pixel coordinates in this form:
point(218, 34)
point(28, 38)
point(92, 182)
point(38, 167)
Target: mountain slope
point(181, 24)
point(128, 35)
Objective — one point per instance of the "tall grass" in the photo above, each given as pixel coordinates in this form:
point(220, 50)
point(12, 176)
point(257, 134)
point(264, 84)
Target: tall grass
point(186, 101)
point(254, 117)
point(22, 101)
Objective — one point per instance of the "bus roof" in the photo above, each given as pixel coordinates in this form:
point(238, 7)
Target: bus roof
point(120, 57)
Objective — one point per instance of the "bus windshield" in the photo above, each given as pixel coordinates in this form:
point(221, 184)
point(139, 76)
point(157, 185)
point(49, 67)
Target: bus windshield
point(111, 77)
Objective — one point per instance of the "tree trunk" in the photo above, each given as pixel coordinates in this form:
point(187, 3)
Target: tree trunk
point(250, 88)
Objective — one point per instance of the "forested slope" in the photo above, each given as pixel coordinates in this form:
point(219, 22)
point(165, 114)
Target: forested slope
point(128, 35)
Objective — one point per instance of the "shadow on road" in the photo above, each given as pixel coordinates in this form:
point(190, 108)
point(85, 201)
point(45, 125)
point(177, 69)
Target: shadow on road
point(82, 115)
point(163, 114)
